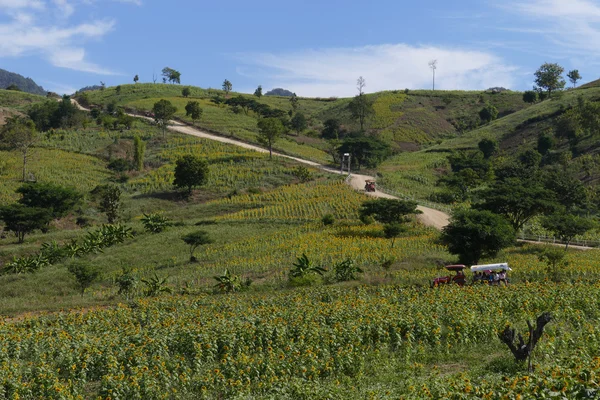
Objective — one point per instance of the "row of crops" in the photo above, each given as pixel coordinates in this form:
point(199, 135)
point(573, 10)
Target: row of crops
point(259, 345)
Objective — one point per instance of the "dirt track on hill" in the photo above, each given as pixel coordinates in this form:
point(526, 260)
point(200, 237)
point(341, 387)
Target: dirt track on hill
point(429, 216)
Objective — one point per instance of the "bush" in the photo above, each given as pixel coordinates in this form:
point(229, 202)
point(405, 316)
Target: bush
point(328, 219)
point(155, 222)
point(119, 165)
point(346, 271)
point(84, 274)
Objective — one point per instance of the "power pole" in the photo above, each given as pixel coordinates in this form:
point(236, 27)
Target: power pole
point(433, 66)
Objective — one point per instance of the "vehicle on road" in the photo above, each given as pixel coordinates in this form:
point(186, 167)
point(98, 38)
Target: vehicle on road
point(369, 186)
point(458, 278)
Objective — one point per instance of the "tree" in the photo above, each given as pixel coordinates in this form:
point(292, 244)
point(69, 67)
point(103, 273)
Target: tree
point(521, 350)
point(190, 171)
point(19, 134)
point(365, 150)
point(488, 147)
point(109, 201)
point(258, 92)
point(433, 66)
point(530, 96)
point(548, 77)
point(136, 79)
point(138, 154)
point(163, 112)
point(360, 84)
point(361, 108)
point(193, 110)
point(331, 129)
point(567, 226)
point(271, 129)
point(545, 143)
point(227, 87)
point(186, 91)
point(517, 200)
point(118, 89)
point(171, 75)
point(488, 113)
point(22, 220)
point(574, 77)
point(294, 102)
point(58, 200)
point(462, 182)
point(195, 240)
point(299, 122)
point(84, 274)
point(388, 211)
point(473, 234)
point(570, 192)
point(14, 87)
point(392, 231)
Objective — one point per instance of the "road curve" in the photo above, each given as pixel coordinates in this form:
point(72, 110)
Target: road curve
point(429, 216)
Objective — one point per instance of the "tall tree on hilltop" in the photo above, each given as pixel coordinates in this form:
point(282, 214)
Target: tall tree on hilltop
point(433, 66)
point(136, 79)
point(258, 92)
point(227, 87)
point(171, 75)
point(574, 77)
point(548, 77)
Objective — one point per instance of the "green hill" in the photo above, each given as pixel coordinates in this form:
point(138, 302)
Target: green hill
point(25, 84)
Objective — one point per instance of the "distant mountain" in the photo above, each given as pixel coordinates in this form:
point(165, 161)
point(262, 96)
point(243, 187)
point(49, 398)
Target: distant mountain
point(279, 92)
point(25, 84)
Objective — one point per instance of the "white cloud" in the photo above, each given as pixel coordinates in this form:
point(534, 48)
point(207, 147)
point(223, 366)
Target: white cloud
point(31, 31)
point(333, 72)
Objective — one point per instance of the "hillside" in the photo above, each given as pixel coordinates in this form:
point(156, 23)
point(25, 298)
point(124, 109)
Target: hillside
point(25, 84)
point(13, 102)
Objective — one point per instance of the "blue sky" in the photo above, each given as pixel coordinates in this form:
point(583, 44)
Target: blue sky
point(314, 48)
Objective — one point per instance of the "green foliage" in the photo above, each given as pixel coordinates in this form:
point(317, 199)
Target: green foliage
point(555, 259)
point(84, 274)
point(331, 129)
point(195, 240)
point(136, 79)
point(302, 173)
point(193, 110)
point(388, 211)
point(488, 113)
point(138, 153)
point(186, 91)
point(303, 266)
point(155, 222)
point(25, 264)
point(22, 220)
point(271, 130)
point(393, 230)
point(190, 171)
point(489, 147)
point(574, 76)
point(567, 226)
point(172, 75)
point(19, 134)
point(545, 143)
point(227, 87)
point(365, 150)
point(58, 200)
point(530, 96)
point(473, 235)
point(109, 201)
point(462, 183)
point(155, 286)
point(570, 192)
point(258, 92)
point(361, 108)
point(228, 283)
point(346, 270)
point(127, 282)
point(548, 77)
point(54, 115)
point(163, 112)
point(13, 87)
point(328, 219)
point(299, 122)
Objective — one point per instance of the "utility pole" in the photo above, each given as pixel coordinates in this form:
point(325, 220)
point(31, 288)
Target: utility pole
point(346, 156)
point(433, 66)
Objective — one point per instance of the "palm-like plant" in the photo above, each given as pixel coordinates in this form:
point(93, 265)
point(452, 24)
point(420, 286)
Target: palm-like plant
point(155, 222)
point(228, 283)
point(303, 266)
point(346, 271)
point(155, 286)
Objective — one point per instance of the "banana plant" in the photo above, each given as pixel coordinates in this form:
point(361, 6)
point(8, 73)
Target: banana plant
point(303, 266)
point(228, 283)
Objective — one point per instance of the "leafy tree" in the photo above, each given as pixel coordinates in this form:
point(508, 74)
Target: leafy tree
point(109, 201)
point(474, 160)
point(346, 270)
point(302, 173)
point(186, 91)
point(193, 110)
point(19, 134)
point(548, 77)
point(118, 89)
point(331, 129)
point(473, 234)
point(517, 200)
point(14, 87)
point(555, 260)
point(488, 113)
point(388, 211)
point(530, 159)
point(228, 283)
point(367, 151)
point(195, 240)
point(530, 96)
point(271, 129)
point(258, 92)
point(570, 192)
point(462, 182)
point(299, 122)
point(58, 200)
point(303, 266)
point(171, 75)
point(294, 102)
point(574, 77)
point(155, 222)
point(361, 108)
point(22, 220)
point(139, 150)
point(163, 112)
point(392, 231)
point(227, 87)
point(136, 79)
point(84, 274)
point(190, 171)
point(567, 226)
point(156, 286)
point(127, 282)
point(488, 147)
point(545, 143)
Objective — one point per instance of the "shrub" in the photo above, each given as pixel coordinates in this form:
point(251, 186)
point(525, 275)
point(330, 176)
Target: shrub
point(84, 274)
point(346, 271)
point(155, 222)
point(328, 219)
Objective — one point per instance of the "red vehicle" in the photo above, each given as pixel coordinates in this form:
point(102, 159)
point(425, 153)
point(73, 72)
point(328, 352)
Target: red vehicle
point(369, 186)
point(458, 278)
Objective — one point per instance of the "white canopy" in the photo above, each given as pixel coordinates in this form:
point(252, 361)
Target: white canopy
point(491, 267)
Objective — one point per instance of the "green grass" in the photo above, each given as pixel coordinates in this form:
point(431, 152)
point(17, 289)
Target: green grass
point(18, 100)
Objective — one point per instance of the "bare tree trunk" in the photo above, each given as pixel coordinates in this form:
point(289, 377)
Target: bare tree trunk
point(24, 163)
point(521, 350)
